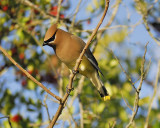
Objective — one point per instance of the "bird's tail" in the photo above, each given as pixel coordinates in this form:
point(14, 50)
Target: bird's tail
point(95, 79)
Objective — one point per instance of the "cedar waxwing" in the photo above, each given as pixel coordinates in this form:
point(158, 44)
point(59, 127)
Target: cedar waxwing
point(68, 47)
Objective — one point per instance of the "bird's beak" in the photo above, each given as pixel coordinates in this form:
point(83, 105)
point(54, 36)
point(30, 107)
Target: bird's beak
point(45, 43)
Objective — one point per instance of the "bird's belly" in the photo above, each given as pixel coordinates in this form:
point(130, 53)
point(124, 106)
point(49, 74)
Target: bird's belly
point(85, 68)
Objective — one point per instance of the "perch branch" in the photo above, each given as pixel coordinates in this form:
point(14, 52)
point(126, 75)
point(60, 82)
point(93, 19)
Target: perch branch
point(61, 106)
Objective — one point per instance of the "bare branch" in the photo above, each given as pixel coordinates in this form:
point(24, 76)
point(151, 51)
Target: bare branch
point(8, 117)
point(114, 13)
point(28, 75)
point(71, 115)
point(126, 103)
point(136, 101)
point(38, 124)
point(154, 94)
point(30, 4)
point(150, 33)
point(46, 106)
point(77, 91)
point(58, 12)
point(81, 114)
point(128, 76)
point(73, 20)
point(44, 14)
point(114, 123)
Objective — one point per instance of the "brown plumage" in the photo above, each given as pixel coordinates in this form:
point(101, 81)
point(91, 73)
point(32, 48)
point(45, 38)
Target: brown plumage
point(68, 48)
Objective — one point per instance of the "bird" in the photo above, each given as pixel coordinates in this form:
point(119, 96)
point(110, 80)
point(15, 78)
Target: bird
point(67, 48)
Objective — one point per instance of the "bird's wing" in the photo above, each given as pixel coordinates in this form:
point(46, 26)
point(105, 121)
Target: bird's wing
point(92, 59)
point(88, 53)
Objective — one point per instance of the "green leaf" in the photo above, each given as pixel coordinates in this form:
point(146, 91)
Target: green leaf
point(144, 101)
point(31, 85)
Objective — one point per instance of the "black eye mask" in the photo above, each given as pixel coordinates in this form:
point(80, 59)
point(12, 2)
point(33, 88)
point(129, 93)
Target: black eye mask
point(50, 39)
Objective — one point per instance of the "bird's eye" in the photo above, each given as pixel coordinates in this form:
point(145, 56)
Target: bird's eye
point(53, 37)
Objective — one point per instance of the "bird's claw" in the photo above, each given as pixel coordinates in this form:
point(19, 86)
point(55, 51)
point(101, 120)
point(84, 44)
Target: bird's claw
point(75, 71)
point(69, 90)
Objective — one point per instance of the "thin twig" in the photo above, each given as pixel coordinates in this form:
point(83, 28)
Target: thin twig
point(126, 103)
point(58, 11)
point(60, 80)
point(77, 91)
point(38, 124)
point(102, 30)
point(61, 106)
point(114, 123)
point(74, 17)
point(28, 75)
point(112, 27)
point(46, 106)
point(136, 101)
point(8, 117)
point(81, 114)
point(71, 115)
point(43, 13)
point(150, 33)
point(30, 4)
point(114, 13)
point(128, 76)
point(154, 94)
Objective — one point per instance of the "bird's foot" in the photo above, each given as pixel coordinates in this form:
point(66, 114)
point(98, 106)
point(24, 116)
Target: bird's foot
point(75, 71)
point(68, 90)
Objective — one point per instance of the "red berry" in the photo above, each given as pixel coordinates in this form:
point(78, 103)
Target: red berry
point(36, 11)
point(29, 21)
point(36, 71)
point(16, 118)
point(53, 13)
point(88, 21)
point(62, 16)
point(14, 50)
point(30, 71)
point(54, 10)
point(5, 8)
point(21, 56)
point(24, 83)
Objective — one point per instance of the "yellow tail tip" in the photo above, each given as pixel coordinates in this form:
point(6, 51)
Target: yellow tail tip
point(105, 98)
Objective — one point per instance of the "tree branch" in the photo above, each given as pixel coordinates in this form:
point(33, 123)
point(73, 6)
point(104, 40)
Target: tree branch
point(136, 101)
point(28, 75)
point(78, 62)
point(154, 94)
point(74, 17)
point(58, 12)
point(81, 114)
point(128, 76)
point(8, 117)
point(34, 38)
point(44, 14)
point(149, 32)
